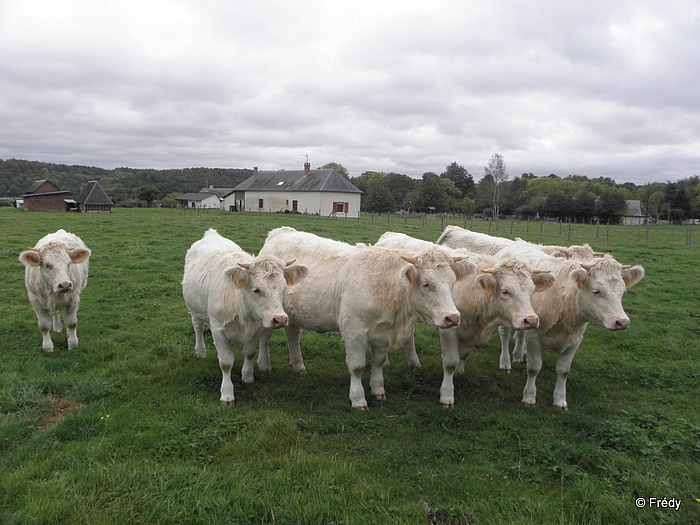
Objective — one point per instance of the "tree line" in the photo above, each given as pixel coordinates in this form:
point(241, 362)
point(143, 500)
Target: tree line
point(576, 198)
point(573, 197)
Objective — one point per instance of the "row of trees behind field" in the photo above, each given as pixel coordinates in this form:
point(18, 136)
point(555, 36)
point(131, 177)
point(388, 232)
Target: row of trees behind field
point(454, 190)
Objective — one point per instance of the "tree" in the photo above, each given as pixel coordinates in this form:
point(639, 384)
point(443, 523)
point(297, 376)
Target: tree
point(611, 205)
point(148, 193)
point(497, 170)
point(461, 177)
point(378, 198)
point(337, 167)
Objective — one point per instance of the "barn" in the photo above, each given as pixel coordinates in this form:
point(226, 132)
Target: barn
point(636, 213)
point(44, 195)
point(227, 197)
point(322, 191)
point(93, 198)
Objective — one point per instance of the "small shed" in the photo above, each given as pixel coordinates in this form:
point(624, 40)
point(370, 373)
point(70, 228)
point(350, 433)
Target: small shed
point(93, 198)
point(227, 197)
point(636, 213)
point(198, 201)
point(44, 195)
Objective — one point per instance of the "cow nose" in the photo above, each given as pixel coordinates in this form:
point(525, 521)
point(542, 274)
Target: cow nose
point(531, 321)
point(279, 321)
point(451, 320)
point(622, 323)
point(65, 286)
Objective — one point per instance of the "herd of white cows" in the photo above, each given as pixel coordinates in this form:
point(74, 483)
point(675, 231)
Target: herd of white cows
point(466, 284)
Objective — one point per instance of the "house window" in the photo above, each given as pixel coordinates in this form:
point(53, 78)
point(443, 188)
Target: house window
point(260, 203)
point(340, 207)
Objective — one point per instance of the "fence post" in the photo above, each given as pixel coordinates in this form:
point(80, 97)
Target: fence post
point(541, 221)
point(597, 227)
point(489, 231)
point(689, 236)
point(560, 223)
point(527, 227)
point(607, 232)
point(512, 220)
point(471, 226)
point(568, 235)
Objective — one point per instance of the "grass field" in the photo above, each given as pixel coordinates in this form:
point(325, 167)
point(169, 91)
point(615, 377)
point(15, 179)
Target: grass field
point(127, 427)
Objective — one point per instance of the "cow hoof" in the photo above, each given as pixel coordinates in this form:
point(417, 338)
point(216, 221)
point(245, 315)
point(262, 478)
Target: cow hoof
point(302, 372)
point(448, 406)
point(380, 397)
point(229, 403)
point(362, 409)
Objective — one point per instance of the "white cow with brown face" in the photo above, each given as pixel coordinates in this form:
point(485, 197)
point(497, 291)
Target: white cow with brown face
point(372, 295)
point(56, 273)
point(238, 295)
point(498, 293)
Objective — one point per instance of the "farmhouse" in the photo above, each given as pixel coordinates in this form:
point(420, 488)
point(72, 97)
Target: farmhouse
point(198, 201)
point(93, 198)
point(44, 195)
point(322, 191)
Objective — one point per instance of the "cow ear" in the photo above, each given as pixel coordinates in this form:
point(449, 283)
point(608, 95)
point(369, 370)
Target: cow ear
point(632, 275)
point(238, 275)
point(462, 267)
point(542, 281)
point(79, 255)
point(295, 273)
point(30, 257)
point(580, 275)
point(488, 282)
point(412, 274)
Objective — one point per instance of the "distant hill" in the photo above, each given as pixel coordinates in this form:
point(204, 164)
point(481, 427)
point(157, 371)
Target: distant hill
point(121, 184)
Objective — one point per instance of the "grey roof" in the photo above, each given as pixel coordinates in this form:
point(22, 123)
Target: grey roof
point(32, 189)
point(635, 209)
point(327, 180)
point(193, 196)
point(93, 195)
point(222, 193)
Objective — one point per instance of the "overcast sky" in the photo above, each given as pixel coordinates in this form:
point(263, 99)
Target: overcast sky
point(599, 88)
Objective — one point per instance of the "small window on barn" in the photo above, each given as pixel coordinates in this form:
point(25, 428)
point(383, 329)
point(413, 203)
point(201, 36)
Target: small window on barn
point(260, 203)
point(280, 183)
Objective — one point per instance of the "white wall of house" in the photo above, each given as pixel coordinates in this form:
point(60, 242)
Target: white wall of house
point(228, 202)
point(312, 202)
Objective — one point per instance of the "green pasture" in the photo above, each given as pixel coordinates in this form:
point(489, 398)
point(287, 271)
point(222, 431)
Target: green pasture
point(127, 428)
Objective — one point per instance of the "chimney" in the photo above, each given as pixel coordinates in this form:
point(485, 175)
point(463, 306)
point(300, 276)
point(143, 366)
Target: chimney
point(307, 168)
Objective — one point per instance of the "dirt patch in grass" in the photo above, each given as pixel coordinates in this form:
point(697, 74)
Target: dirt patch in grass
point(60, 408)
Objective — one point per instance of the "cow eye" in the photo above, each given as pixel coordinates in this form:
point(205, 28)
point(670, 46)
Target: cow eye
point(48, 266)
point(597, 293)
point(257, 291)
point(505, 292)
point(426, 286)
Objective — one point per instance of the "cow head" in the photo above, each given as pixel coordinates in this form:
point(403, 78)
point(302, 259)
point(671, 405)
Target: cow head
point(602, 284)
point(53, 261)
point(262, 283)
point(431, 275)
point(510, 285)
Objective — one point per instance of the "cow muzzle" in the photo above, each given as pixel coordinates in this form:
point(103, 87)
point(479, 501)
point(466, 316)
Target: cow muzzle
point(63, 287)
point(621, 323)
point(527, 322)
point(279, 321)
point(450, 320)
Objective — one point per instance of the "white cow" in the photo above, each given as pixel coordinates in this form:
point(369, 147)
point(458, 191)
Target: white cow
point(371, 295)
point(582, 294)
point(498, 293)
point(238, 295)
point(55, 274)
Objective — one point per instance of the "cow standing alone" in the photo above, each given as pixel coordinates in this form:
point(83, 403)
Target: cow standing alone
point(56, 273)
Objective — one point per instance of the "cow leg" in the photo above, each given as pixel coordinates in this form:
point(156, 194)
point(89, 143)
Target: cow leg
point(411, 355)
point(564, 360)
point(504, 335)
point(356, 358)
point(71, 321)
point(45, 320)
point(376, 379)
point(200, 349)
point(264, 351)
point(247, 371)
point(534, 365)
point(225, 355)
point(449, 341)
point(57, 325)
point(293, 333)
point(463, 354)
point(520, 346)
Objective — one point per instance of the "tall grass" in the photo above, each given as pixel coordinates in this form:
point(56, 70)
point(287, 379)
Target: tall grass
point(127, 427)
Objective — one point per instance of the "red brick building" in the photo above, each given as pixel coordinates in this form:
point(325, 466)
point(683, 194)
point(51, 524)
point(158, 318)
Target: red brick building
point(44, 195)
